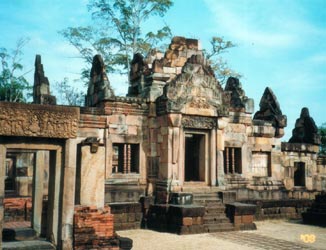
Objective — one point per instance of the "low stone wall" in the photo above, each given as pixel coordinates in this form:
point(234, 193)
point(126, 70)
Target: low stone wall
point(280, 209)
point(180, 219)
point(127, 215)
point(17, 209)
point(93, 229)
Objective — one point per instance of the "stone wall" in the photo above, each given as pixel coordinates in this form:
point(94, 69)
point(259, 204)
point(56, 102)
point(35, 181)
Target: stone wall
point(93, 229)
point(126, 215)
point(17, 209)
point(176, 219)
point(293, 154)
point(280, 209)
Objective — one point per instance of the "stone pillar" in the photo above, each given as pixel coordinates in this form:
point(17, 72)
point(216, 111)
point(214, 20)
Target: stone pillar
point(92, 174)
point(68, 194)
point(54, 195)
point(220, 147)
point(213, 163)
point(38, 180)
point(2, 186)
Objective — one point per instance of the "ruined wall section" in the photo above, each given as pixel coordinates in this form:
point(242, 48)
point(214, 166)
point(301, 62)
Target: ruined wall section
point(119, 122)
point(304, 156)
point(149, 75)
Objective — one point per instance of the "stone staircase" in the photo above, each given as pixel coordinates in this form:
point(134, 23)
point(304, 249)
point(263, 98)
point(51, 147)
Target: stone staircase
point(215, 219)
point(236, 181)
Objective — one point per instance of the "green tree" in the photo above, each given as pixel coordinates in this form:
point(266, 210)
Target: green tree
point(218, 64)
point(322, 132)
point(13, 85)
point(117, 33)
point(68, 95)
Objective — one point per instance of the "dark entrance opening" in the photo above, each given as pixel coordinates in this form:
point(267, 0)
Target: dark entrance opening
point(26, 192)
point(299, 174)
point(195, 157)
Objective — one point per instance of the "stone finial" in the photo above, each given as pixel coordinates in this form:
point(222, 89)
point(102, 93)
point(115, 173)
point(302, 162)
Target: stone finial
point(238, 99)
point(305, 130)
point(99, 87)
point(41, 89)
point(269, 110)
point(138, 69)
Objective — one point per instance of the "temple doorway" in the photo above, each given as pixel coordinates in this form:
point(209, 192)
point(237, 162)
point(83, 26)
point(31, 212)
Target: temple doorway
point(299, 174)
point(195, 157)
point(32, 183)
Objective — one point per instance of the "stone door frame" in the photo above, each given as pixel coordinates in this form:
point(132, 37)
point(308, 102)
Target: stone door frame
point(210, 157)
point(61, 187)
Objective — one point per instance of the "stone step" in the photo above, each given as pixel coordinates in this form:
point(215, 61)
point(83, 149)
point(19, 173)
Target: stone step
point(18, 234)
point(215, 220)
point(215, 210)
point(221, 227)
point(28, 245)
point(210, 204)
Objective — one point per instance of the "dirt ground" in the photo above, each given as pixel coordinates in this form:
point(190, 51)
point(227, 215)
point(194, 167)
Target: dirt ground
point(273, 234)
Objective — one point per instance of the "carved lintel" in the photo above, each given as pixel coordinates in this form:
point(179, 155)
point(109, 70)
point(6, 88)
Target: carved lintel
point(199, 122)
point(38, 120)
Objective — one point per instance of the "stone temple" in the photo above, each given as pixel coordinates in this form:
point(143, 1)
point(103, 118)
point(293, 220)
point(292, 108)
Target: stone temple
point(179, 153)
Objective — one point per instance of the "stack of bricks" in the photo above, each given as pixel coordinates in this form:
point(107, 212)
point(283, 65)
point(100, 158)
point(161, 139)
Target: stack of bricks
point(93, 229)
point(17, 209)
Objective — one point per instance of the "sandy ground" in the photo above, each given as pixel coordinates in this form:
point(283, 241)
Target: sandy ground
point(292, 231)
point(289, 231)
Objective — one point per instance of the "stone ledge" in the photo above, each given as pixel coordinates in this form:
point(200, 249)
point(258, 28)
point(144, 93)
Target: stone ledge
point(300, 147)
point(238, 208)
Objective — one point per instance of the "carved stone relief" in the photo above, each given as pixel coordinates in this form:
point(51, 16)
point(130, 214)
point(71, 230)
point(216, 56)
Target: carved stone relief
point(36, 120)
point(199, 122)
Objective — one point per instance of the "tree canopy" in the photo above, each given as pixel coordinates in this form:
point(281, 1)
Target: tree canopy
point(13, 85)
point(68, 95)
point(220, 66)
point(117, 33)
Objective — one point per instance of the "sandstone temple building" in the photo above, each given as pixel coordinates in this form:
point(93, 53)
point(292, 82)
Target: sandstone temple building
point(179, 153)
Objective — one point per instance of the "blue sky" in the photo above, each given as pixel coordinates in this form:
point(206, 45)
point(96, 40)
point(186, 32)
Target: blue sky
point(281, 43)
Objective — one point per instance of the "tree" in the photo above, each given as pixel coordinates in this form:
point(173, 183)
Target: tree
point(218, 64)
point(119, 32)
point(322, 132)
point(13, 86)
point(68, 95)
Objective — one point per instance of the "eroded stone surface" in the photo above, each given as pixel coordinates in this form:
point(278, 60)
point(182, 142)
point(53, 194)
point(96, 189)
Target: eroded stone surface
point(269, 110)
point(99, 87)
point(305, 130)
point(41, 89)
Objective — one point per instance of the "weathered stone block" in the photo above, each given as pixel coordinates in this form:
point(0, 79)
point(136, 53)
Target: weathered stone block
point(187, 221)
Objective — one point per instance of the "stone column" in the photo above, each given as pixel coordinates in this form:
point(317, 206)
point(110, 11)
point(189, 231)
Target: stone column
point(2, 186)
point(54, 195)
point(68, 194)
point(92, 186)
point(220, 147)
point(213, 162)
point(38, 180)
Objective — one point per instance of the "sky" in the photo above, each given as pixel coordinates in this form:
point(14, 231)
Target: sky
point(280, 43)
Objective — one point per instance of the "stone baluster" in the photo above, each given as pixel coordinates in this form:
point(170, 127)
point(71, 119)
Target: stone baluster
point(227, 160)
point(232, 161)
